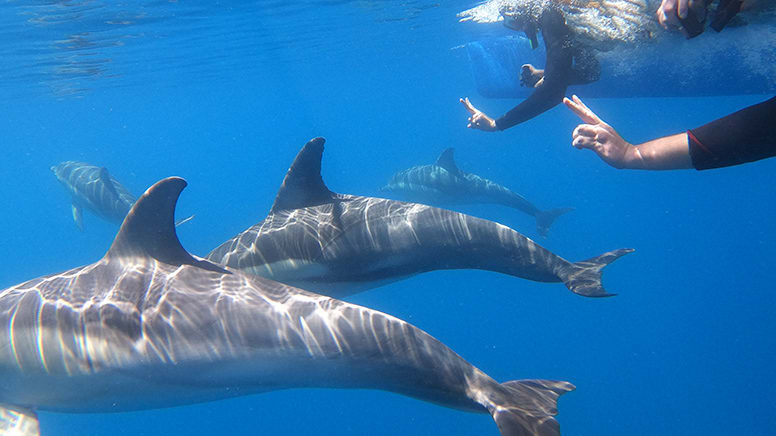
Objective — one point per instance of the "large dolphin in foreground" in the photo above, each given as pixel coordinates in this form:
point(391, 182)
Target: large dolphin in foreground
point(444, 183)
point(93, 188)
point(339, 244)
point(151, 326)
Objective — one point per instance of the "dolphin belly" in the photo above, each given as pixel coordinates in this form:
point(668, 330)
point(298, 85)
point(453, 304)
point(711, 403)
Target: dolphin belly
point(159, 386)
point(266, 347)
point(339, 277)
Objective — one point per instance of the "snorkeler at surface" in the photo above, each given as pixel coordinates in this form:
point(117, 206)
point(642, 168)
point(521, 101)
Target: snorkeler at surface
point(568, 63)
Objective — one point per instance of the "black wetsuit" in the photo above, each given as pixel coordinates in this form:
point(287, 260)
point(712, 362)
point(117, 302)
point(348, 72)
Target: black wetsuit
point(744, 136)
point(567, 64)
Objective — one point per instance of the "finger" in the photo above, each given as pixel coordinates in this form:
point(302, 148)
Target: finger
point(661, 17)
point(668, 7)
point(668, 13)
point(588, 112)
point(582, 111)
point(468, 105)
point(586, 130)
point(582, 142)
point(682, 9)
point(575, 108)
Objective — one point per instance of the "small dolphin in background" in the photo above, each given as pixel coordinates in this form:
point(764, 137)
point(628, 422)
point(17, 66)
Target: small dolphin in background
point(93, 188)
point(339, 244)
point(151, 326)
point(443, 183)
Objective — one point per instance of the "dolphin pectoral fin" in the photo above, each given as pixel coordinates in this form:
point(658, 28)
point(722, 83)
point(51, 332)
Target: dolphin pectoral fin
point(527, 407)
point(545, 218)
point(584, 278)
point(78, 216)
point(18, 421)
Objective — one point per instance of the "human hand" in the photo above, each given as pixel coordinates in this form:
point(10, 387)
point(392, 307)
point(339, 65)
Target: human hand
point(531, 77)
point(671, 11)
point(478, 119)
point(600, 137)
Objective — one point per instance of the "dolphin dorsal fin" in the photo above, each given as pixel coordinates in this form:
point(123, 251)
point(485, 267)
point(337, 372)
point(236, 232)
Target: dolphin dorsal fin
point(107, 181)
point(303, 185)
point(447, 161)
point(149, 228)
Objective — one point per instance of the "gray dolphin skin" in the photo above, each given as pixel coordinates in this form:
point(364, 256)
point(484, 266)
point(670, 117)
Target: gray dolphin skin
point(151, 326)
point(338, 244)
point(443, 183)
point(93, 188)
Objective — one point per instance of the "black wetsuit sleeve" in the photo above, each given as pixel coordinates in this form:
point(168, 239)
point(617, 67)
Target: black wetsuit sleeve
point(744, 136)
point(557, 39)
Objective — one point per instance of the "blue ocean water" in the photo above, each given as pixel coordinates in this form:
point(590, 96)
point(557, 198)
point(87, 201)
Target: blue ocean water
point(225, 93)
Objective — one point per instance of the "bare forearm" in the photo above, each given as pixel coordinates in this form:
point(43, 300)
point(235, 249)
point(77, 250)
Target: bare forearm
point(666, 153)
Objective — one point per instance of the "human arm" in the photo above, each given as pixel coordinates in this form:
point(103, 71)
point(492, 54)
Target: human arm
point(477, 118)
point(744, 136)
point(666, 153)
point(542, 99)
point(557, 73)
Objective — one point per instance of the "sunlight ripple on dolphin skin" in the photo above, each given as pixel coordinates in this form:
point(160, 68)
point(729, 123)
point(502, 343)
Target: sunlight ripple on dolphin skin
point(95, 189)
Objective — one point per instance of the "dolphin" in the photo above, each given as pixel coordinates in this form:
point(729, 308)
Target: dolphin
point(151, 326)
point(338, 244)
point(443, 183)
point(95, 189)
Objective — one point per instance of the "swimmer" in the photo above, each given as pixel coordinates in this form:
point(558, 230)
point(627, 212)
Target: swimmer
point(568, 63)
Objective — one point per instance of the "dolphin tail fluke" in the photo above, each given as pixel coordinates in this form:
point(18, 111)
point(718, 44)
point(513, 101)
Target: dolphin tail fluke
point(18, 421)
point(527, 407)
point(545, 218)
point(584, 278)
